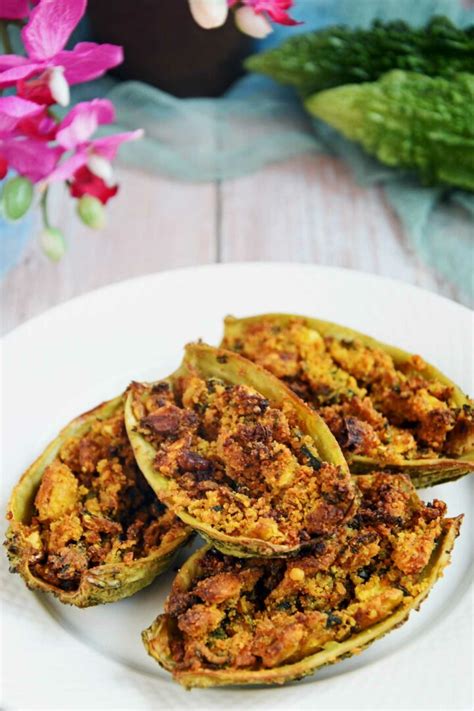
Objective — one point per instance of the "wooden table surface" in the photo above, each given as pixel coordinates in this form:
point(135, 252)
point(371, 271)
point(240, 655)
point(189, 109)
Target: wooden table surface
point(304, 210)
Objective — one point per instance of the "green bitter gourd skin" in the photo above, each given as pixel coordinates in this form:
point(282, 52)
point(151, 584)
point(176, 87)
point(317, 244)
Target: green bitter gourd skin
point(340, 55)
point(410, 121)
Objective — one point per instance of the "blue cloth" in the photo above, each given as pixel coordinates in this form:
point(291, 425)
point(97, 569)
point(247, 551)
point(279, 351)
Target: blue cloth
point(258, 122)
point(14, 236)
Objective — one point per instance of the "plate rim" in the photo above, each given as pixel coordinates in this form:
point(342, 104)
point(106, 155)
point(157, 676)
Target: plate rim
point(211, 266)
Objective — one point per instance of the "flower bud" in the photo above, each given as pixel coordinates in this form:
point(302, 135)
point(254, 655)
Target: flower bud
point(53, 243)
point(58, 86)
point(91, 212)
point(251, 23)
point(209, 13)
point(17, 197)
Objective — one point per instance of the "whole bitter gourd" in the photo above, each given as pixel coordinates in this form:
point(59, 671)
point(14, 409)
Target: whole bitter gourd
point(410, 121)
point(340, 55)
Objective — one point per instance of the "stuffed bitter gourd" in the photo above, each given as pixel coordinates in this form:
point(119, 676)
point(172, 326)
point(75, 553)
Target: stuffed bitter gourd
point(84, 523)
point(386, 407)
point(237, 456)
point(254, 621)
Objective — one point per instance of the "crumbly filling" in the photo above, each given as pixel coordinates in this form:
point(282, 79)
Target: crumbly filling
point(254, 613)
point(238, 464)
point(93, 506)
point(372, 407)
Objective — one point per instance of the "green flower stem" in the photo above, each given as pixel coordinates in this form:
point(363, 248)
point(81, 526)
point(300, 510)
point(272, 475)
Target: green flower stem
point(44, 208)
point(5, 38)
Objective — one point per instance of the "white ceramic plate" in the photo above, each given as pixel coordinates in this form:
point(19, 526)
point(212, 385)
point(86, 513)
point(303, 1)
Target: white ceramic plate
point(72, 357)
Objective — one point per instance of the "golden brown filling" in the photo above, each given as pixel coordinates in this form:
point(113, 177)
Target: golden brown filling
point(370, 405)
point(254, 614)
point(238, 464)
point(93, 506)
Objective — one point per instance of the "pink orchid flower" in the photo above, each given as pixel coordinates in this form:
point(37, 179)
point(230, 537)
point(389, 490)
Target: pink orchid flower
point(251, 16)
point(31, 158)
point(14, 9)
point(25, 118)
point(94, 155)
point(45, 35)
point(276, 10)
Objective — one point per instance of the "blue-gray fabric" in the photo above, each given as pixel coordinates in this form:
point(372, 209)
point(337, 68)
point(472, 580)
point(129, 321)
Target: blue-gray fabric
point(258, 122)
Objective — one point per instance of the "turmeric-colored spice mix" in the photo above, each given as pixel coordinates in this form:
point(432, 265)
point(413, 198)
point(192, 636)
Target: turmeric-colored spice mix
point(238, 464)
point(374, 407)
point(93, 506)
point(254, 614)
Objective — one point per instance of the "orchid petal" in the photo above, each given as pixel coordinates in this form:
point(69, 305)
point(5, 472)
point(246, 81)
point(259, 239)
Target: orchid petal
point(50, 26)
point(83, 120)
point(41, 126)
point(13, 109)
point(14, 9)
point(88, 61)
point(68, 167)
point(251, 23)
point(21, 71)
point(209, 13)
point(17, 107)
point(108, 146)
point(7, 61)
point(275, 9)
point(86, 183)
point(3, 167)
point(58, 86)
point(31, 158)
point(101, 167)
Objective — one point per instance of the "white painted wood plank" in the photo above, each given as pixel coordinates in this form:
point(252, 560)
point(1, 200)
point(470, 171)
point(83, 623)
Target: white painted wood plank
point(310, 210)
point(154, 223)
